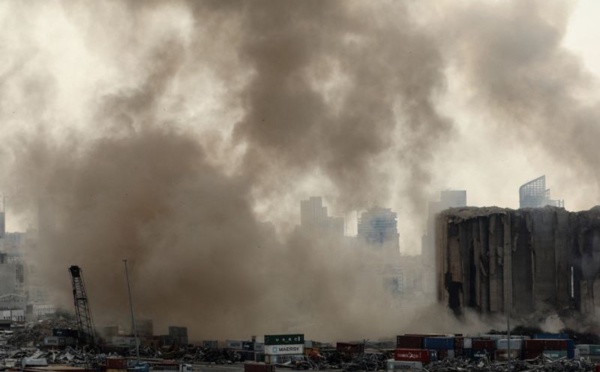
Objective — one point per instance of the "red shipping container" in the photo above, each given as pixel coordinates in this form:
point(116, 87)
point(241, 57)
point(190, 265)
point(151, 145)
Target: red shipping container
point(545, 344)
point(258, 367)
point(532, 354)
point(409, 342)
point(412, 355)
point(116, 363)
point(480, 344)
point(459, 342)
point(350, 348)
point(442, 354)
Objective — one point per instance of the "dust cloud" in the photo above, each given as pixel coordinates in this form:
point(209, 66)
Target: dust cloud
point(182, 136)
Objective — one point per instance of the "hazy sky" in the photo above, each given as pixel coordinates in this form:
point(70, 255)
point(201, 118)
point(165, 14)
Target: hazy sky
point(139, 124)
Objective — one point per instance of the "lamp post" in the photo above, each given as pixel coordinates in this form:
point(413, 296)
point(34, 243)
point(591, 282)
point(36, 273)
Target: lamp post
point(137, 345)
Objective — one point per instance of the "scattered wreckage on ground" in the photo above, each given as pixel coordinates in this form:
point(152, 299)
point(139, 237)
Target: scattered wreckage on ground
point(23, 349)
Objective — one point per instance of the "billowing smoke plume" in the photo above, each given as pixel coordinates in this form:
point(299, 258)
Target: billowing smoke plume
point(180, 135)
point(511, 58)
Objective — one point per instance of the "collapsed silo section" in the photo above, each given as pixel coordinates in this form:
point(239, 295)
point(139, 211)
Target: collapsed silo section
point(537, 260)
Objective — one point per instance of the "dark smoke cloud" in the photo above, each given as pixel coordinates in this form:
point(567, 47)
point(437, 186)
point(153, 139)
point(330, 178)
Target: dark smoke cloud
point(179, 120)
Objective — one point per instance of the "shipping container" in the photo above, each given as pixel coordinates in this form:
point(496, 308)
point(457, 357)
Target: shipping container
point(54, 341)
point(503, 344)
point(482, 344)
point(350, 348)
point(212, 344)
point(545, 344)
point(64, 332)
point(531, 354)
point(38, 362)
point(489, 336)
point(570, 349)
point(588, 349)
point(445, 354)
point(478, 354)
point(116, 363)
point(555, 354)
point(234, 344)
point(468, 353)
point(415, 355)
point(433, 357)
point(502, 355)
point(459, 342)
point(395, 365)
point(409, 342)
point(245, 355)
point(468, 343)
point(438, 343)
point(552, 336)
point(258, 367)
point(259, 347)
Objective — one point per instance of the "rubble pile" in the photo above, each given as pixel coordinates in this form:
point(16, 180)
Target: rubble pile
point(542, 364)
point(32, 334)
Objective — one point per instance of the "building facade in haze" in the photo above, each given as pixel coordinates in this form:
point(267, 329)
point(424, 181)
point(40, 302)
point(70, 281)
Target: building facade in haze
point(378, 228)
point(315, 219)
point(534, 194)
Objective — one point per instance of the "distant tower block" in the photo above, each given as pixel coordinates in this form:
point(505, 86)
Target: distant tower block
point(534, 194)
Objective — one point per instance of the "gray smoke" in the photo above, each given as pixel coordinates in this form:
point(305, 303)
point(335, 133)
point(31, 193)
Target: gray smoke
point(181, 135)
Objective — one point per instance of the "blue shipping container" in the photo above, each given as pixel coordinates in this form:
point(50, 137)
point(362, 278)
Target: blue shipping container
point(551, 336)
point(570, 349)
point(439, 343)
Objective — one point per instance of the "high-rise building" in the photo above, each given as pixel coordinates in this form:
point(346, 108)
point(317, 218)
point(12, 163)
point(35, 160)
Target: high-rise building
point(534, 194)
point(378, 227)
point(314, 218)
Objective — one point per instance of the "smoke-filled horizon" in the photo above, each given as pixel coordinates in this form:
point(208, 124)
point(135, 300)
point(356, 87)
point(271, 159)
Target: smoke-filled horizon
point(182, 135)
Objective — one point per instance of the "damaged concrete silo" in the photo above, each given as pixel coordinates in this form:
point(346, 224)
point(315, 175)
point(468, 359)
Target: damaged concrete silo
point(527, 260)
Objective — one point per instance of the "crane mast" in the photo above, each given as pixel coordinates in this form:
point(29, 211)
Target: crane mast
point(85, 323)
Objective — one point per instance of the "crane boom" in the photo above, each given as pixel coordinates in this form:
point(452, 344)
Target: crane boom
point(85, 323)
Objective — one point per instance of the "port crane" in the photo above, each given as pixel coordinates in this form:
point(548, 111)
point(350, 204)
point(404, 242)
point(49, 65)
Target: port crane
point(85, 323)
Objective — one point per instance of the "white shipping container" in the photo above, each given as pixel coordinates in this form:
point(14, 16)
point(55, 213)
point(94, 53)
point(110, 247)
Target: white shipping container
point(395, 365)
point(42, 362)
point(284, 349)
point(234, 345)
point(583, 349)
point(51, 341)
point(515, 344)
point(468, 343)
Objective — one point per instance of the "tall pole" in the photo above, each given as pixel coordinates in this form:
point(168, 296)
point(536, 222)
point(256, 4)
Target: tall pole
point(137, 345)
point(508, 322)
